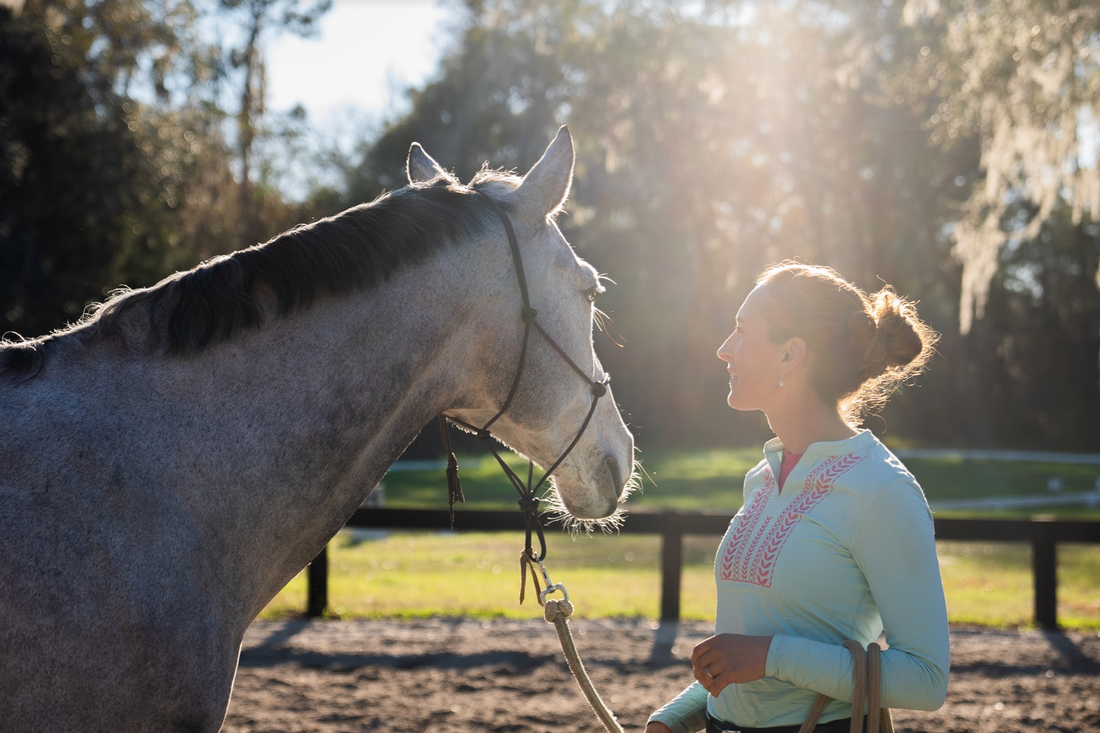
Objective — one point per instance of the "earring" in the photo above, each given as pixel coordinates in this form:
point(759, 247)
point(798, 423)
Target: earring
point(781, 377)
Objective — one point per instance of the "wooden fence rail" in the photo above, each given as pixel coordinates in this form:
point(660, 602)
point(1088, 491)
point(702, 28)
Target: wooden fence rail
point(1042, 534)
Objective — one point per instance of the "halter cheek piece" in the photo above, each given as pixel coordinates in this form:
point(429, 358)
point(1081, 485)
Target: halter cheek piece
point(528, 499)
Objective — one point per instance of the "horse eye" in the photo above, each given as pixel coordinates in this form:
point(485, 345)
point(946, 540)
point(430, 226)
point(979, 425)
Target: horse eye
point(592, 294)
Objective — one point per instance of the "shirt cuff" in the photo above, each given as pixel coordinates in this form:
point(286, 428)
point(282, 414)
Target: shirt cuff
point(691, 724)
point(773, 665)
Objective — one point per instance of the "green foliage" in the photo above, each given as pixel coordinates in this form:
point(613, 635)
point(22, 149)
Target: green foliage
point(1042, 328)
point(1022, 78)
point(712, 139)
point(78, 205)
point(114, 165)
point(257, 20)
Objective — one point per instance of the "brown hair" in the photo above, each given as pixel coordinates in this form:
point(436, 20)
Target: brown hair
point(862, 347)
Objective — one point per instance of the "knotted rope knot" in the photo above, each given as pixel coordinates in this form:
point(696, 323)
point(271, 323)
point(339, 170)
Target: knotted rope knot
point(528, 313)
point(599, 389)
point(483, 435)
point(529, 504)
point(557, 607)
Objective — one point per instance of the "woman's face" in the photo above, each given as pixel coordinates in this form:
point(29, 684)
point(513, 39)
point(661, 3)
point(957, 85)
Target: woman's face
point(753, 361)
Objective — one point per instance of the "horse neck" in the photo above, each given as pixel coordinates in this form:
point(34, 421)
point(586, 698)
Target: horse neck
point(299, 421)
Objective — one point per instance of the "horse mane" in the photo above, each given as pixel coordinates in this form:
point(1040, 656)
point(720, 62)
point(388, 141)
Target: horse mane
point(358, 249)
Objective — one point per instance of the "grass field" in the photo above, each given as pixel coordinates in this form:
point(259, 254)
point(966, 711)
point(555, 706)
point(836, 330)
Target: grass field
point(711, 481)
point(417, 574)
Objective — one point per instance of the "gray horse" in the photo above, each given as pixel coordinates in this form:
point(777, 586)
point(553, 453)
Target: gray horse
point(168, 464)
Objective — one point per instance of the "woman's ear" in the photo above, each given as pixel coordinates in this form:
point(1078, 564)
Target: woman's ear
point(794, 353)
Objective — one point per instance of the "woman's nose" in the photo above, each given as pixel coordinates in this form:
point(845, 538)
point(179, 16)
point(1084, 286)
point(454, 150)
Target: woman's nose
point(724, 349)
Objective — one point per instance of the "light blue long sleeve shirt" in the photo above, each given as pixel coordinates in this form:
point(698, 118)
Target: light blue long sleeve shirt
point(844, 550)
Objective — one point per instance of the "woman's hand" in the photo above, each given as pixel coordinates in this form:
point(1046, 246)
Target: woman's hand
point(655, 727)
point(729, 659)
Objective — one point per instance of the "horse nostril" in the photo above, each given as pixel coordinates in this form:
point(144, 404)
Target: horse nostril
point(616, 476)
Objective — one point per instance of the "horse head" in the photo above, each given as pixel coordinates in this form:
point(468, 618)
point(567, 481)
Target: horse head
point(557, 396)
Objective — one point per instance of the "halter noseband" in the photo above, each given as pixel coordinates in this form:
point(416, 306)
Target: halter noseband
point(528, 499)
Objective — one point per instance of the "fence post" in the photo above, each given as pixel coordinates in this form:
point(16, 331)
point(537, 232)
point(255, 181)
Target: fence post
point(672, 555)
point(317, 585)
point(1044, 571)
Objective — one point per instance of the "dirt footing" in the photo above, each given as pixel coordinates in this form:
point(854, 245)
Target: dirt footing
point(461, 675)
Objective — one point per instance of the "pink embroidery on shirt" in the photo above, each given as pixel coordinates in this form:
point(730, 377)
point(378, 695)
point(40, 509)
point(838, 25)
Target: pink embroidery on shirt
point(756, 563)
point(744, 527)
point(744, 568)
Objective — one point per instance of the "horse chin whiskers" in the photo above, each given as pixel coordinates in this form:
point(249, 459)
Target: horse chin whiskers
point(574, 526)
point(557, 511)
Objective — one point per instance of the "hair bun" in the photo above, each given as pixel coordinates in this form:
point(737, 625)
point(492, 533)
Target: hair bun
point(897, 326)
point(868, 346)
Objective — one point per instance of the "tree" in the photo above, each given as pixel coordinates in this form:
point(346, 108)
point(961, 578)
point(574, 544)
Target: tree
point(1024, 79)
point(1018, 81)
point(1043, 315)
point(73, 213)
point(711, 142)
point(257, 18)
point(98, 188)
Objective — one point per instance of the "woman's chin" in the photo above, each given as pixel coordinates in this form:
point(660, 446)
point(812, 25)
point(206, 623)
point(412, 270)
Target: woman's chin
point(735, 401)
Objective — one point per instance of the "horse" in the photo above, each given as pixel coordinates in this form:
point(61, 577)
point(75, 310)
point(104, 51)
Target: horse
point(173, 459)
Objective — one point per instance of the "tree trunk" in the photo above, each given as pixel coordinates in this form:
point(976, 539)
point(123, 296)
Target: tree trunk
point(248, 227)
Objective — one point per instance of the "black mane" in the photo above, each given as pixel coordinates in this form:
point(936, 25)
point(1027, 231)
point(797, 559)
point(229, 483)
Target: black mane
point(356, 250)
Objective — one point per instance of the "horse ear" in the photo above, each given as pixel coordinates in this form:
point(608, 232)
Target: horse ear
point(421, 167)
point(546, 186)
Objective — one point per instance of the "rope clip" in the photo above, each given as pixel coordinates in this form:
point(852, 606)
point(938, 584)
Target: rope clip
point(554, 588)
point(551, 586)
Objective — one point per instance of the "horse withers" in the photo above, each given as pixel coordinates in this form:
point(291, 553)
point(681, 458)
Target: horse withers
point(169, 463)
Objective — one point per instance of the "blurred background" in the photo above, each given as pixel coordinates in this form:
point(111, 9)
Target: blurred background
point(948, 148)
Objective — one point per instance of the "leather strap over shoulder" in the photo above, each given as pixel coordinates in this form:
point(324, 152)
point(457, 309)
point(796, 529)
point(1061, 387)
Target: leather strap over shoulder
point(867, 679)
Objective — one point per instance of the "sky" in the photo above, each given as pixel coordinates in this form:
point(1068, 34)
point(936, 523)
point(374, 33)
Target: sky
point(367, 52)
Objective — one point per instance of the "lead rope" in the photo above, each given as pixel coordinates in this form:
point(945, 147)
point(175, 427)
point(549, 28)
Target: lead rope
point(557, 611)
point(867, 680)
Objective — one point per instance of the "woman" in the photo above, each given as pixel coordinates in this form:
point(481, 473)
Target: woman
point(834, 540)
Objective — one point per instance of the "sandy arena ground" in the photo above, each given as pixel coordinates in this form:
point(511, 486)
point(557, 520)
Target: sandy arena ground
point(508, 676)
